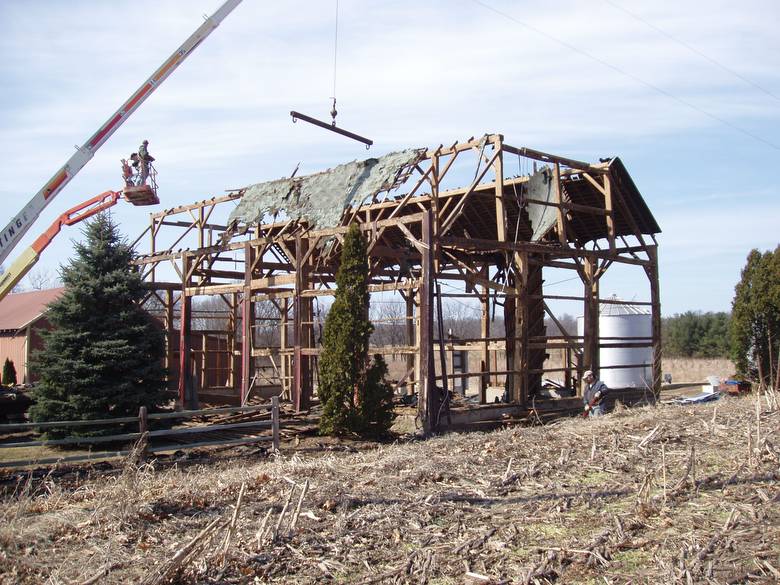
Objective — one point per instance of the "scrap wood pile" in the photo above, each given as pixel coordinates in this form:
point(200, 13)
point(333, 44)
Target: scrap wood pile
point(651, 495)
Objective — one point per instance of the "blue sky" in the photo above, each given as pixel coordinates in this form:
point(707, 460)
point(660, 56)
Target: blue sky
point(414, 74)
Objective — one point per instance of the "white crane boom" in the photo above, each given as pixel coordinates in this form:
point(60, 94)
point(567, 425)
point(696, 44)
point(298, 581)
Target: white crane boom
point(19, 225)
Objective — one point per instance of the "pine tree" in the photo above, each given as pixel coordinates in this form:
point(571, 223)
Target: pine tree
point(9, 373)
point(103, 356)
point(353, 392)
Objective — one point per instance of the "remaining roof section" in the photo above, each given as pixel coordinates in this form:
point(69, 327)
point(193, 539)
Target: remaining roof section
point(20, 309)
point(321, 198)
point(631, 212)
point(626, 308)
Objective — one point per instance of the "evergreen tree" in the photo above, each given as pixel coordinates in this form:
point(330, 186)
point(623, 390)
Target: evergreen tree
point(103, 356)
point(375, 404)
point(755, 318)
point(9, 373)
point(353, 391)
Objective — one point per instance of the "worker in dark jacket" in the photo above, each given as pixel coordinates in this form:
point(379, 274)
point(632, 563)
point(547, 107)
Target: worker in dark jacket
point(594, 394)
point(146, 159)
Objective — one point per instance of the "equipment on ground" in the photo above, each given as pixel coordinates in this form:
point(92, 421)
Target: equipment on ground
point(19, 225)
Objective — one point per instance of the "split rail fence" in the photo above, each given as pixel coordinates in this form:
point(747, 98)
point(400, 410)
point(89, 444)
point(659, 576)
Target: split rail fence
point(143, 419)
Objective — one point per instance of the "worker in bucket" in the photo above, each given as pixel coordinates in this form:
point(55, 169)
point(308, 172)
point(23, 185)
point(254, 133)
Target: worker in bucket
point(146, 159)
point(127, 173)
point(594, 394)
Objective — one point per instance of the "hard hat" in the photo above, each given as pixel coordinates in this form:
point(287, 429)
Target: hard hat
point(146, 142)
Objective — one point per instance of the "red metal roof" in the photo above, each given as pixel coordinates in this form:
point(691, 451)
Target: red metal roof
point(19, 309)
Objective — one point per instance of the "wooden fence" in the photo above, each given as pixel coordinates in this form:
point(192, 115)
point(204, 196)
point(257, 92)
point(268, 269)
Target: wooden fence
point(143, 429)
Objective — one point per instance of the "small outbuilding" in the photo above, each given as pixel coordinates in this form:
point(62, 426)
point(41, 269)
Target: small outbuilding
point(22, 318)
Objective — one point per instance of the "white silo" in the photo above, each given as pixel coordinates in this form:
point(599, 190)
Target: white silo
point(624, 321)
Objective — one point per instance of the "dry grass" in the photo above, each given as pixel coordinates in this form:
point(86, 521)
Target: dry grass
point(658, 495)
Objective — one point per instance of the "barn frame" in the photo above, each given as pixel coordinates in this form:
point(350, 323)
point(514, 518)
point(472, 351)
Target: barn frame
point(488, 243)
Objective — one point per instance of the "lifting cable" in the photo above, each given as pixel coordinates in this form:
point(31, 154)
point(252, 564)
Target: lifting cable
point(333, 113)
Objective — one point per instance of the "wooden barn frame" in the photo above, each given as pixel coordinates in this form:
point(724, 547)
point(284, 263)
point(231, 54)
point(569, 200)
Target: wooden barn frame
point(485, 238)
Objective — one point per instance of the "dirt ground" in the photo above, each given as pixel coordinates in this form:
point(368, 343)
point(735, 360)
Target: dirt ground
point(651, 495)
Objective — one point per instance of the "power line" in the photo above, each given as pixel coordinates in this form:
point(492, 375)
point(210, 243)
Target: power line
point(625, 73)
point(692, 49)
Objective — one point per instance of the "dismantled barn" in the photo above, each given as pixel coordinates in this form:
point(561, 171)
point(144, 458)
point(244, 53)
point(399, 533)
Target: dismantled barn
point(476, 222)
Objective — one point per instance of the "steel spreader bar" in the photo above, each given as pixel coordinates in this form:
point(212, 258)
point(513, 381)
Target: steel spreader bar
point(332, 127)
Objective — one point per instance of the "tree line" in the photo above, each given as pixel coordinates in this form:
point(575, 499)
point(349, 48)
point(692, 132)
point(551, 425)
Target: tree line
point(697, 335)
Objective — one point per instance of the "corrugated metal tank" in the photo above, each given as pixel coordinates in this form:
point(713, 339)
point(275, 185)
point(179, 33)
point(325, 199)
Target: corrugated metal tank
point(623, 321)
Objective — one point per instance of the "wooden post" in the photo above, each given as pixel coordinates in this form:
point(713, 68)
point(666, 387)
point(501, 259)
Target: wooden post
point(284, 359)
point(143, 427)
point(235, 357)
point(655, 300)
point(275, 421)
point(170, 361)
point(302, 329)
point(143, 420)
point(428, 397)
point(247, 324)
point(609, 207)
point(153, 246)
point(510, 331)
point(410, 341)
point(485, 332)
point(499, 193)
point(591, 316)
point(558, 189)
point(434, 178)
point(442, 340)
point(484, 380)
point(522, 314)
point(185, 326)
point(202, 373)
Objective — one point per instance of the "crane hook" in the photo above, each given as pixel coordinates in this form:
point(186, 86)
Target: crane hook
point(333, 112)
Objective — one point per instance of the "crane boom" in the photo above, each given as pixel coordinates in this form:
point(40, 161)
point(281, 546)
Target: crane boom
point(29, 257)
point(19, 225)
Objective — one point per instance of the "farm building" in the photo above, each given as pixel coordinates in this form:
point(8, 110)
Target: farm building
point(478, 222)
point(22, 318)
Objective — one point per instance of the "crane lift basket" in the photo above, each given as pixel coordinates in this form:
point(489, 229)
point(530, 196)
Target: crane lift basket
point(143, 194)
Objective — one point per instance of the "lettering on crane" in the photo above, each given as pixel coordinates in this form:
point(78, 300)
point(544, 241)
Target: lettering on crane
point(10, 231)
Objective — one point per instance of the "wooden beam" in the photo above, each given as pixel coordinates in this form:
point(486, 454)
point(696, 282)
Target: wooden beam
point(591, 315)
point(428, 400)
point(561, 214)
point(655, 296)
point(185, 324)
point(531, 153)
point(498, 165)
point(608, 205)
point(479, 244)
point(410, 340)
point(200, 204)
point(247, 325)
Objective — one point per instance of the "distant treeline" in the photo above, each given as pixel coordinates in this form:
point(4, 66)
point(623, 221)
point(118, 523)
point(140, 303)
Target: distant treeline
point(696, 334)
